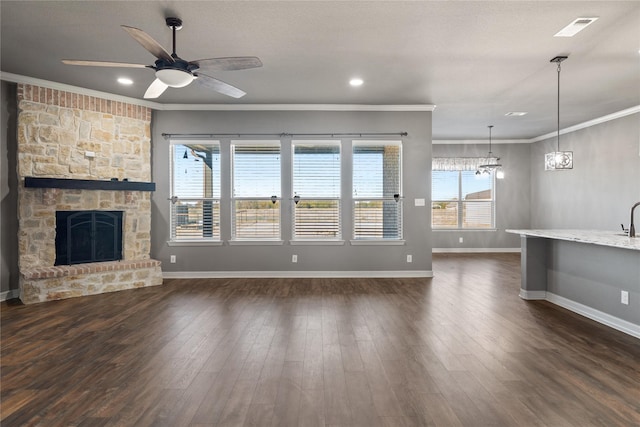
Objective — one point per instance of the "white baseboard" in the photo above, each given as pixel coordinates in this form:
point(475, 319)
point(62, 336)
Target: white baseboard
point(586, 311)
point(13, 293)
point(294, 274)
point(533, 295)
point(474, 250)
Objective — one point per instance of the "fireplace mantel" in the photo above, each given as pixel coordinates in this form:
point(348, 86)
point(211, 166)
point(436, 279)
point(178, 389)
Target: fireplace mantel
point(87, 184)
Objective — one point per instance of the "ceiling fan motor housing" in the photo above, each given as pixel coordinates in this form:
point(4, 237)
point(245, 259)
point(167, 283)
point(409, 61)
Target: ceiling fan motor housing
point(174, 23)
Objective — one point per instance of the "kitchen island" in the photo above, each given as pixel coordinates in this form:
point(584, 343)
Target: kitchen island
point(591, 272)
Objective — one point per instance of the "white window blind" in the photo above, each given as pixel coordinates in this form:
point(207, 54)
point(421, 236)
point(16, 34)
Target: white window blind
point(462, 199)
point(195, 190)
point(377, 186)
point(255, 189)
point(316, 189)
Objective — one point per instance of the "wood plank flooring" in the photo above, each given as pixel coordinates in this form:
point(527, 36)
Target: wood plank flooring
point(461, 349)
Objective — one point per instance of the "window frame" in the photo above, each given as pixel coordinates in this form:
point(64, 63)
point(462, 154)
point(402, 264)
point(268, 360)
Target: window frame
point(233, 199)
point(460, 202)
point(355, 199)
point(295, 198)
point(173, 198)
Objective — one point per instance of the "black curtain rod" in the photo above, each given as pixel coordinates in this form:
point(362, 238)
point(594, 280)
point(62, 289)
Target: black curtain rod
point(283, 134)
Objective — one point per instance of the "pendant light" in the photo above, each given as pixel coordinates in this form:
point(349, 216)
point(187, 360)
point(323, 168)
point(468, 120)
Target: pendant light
point(558, 160)
point(491, 166)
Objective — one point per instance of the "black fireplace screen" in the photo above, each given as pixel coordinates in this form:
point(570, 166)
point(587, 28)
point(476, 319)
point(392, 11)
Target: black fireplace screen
point(88, 236)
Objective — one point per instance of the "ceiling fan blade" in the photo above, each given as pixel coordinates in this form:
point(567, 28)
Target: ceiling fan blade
point(102, 63)
point(219, 86)
point(148, 43)
point(155, 89)
point(229, 63)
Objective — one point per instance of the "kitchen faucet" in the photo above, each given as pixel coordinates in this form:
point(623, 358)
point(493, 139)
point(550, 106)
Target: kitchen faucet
point(632, 229)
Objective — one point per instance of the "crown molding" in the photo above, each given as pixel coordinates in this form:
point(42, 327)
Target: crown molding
point(296, 107)
point(570, 129)
point(16, 78)
point(478, 141)
point(589, 123)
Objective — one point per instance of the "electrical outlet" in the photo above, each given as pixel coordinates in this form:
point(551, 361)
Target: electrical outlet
point(409, 258)
point(624, 297)
point(294, 258)
point(460, 239)
point(173, 259)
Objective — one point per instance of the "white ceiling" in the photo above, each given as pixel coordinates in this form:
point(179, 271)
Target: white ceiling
point(474, 60)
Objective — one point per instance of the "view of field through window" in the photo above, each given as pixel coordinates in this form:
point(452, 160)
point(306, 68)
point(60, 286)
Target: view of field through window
point(256, 187)
point(462, 199)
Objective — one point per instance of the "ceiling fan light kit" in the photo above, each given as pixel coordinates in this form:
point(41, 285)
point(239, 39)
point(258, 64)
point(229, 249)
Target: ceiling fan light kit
point(173, 71)
point(174, 78)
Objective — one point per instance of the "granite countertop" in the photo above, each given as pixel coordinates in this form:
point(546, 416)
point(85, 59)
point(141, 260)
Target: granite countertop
point(611, 238)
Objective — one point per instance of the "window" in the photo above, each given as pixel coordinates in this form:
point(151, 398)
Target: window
point(377, 186)
point(316, 189)
point(195, 190)
point(256, 190)
point(462, 200)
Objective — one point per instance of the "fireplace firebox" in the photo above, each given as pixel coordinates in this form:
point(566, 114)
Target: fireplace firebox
point(88, 236)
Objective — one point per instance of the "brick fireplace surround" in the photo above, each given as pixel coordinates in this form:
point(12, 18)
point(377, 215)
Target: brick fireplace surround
point(68, 135)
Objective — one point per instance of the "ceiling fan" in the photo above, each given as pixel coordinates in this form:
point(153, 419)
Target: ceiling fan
point(173, 71)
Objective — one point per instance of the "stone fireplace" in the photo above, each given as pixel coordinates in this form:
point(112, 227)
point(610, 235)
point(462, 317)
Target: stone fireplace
point(67, 141)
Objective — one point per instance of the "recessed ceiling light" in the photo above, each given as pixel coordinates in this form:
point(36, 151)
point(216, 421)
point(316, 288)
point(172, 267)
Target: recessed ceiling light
point(575, 27)
point(125, 81)
point(515, 113)
point(356, 82)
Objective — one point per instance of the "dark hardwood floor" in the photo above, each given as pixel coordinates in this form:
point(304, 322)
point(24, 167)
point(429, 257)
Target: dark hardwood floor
point(459, 349)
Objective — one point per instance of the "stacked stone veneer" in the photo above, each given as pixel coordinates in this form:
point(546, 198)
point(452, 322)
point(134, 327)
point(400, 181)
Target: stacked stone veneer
point(56, 131)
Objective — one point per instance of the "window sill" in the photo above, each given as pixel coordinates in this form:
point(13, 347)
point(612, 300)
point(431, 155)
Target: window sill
point(464, 229)
point(377, 242)
point(194, 242)
point(256, 242)
point(316, 242)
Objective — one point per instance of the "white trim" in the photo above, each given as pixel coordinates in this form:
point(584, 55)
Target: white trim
point(296, 107)
point(532, 295)
point(589, 123)
point(475, 250)
point(10, 294)
point(296, 274)
point(438, 230)
point(255, 242)
point(596, 315)
point(266, 141)
point(579, 126)
point(364, 242)
point(16, 78)
point(316, 242)
point(478, 141)
point(377, 142)
point(194, 243)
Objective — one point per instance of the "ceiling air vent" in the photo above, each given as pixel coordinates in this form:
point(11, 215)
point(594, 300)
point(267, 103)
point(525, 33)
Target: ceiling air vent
point(575, 27)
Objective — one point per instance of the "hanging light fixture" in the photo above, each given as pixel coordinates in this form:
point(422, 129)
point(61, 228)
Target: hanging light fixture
point(492, 163)
point(558, 160)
